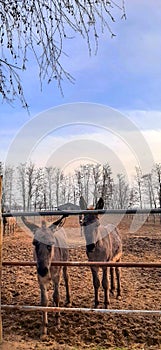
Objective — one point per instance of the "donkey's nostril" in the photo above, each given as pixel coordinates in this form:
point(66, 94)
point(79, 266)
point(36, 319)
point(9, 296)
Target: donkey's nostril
point(42, 271)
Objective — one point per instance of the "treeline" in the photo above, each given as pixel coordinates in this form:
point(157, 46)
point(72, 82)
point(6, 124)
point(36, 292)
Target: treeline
point(28, 187)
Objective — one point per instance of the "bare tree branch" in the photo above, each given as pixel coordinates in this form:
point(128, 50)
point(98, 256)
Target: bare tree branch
point(42, 27)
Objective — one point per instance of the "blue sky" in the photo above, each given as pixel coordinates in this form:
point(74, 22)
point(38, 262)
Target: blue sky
point(124, 75)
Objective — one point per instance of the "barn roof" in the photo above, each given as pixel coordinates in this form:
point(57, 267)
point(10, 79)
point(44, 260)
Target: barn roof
point(68, 206)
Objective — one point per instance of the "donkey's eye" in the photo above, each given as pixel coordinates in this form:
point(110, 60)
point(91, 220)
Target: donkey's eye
point(49, 247)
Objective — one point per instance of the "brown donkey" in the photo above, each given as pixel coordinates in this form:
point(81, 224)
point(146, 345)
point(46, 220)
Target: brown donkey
point(103, 243)
point(49, 246)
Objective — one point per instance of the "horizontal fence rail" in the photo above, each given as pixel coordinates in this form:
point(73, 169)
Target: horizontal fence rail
point(89, 263)
point(79, 212)
point(74, 309)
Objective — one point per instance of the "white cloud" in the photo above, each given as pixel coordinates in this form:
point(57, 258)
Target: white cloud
point(100, 147)
point(153, 138)
point(117, 141)
point(145, 119)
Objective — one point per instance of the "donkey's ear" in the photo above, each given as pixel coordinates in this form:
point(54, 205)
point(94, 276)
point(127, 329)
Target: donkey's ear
point(100, 204)
point(82, 203)
point(32, 227)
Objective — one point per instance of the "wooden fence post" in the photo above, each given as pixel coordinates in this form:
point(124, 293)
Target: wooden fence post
point(1, 239)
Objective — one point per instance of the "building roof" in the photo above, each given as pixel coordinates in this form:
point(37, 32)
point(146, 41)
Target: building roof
point(69, 206)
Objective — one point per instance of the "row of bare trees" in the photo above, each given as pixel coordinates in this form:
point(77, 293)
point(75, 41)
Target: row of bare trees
point(28, 187)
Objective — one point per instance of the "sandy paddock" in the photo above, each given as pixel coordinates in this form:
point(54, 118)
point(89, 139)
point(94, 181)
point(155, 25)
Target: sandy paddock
point(141, 289)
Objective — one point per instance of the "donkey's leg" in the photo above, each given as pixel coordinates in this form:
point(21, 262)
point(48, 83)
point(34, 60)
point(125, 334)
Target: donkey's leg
point(106, 286)
point(56, 295)
point(96, 284)
point(112, 274)
point(66, 280)
point(118, 276)
point(44, 302)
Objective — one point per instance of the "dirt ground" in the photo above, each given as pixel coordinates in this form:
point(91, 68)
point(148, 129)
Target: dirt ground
point(141, 289)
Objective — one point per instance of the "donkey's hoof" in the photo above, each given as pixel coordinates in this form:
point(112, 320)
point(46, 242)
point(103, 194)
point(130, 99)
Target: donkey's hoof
point(43, 336)
point(44, 330)
point(57, 322)
point(112, 292)
point(68, 304)
point(96, 305)
point(57, 326)
point(106, 305)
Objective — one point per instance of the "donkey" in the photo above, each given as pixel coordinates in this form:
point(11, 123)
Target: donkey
point(50, 245)
point(103, 243)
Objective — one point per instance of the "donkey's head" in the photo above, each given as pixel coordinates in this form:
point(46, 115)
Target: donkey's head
point(44, 242)
point(90, 223)
point(44, 249)
point(44, 254)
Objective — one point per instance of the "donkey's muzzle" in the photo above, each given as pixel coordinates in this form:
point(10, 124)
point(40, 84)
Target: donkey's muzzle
point(42, 271)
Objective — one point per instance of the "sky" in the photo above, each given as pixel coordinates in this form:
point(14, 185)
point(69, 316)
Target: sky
point(112, 113)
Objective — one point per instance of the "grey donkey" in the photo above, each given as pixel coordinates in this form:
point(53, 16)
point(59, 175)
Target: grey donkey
point(50, 245)
point(103, 243)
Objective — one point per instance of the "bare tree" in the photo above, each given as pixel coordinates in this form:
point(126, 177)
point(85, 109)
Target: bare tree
point(7, 193)
point(39, 189)
point(64, 189)
point(58, 178)
point(74, 189)
point(79, 177)
point(86, 171)
point(121, 192)
point(70, 188)
point(41, 28)
point(158, 172)
point(49, 173)
point(21, 183)
point(30, 183)
point(149, 190)
point(139, 184)
point(97, 179)
point(107, 184)
point(87, 181)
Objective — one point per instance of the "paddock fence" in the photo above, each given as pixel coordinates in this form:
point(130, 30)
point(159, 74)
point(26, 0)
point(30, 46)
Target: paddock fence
point(29, 308)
